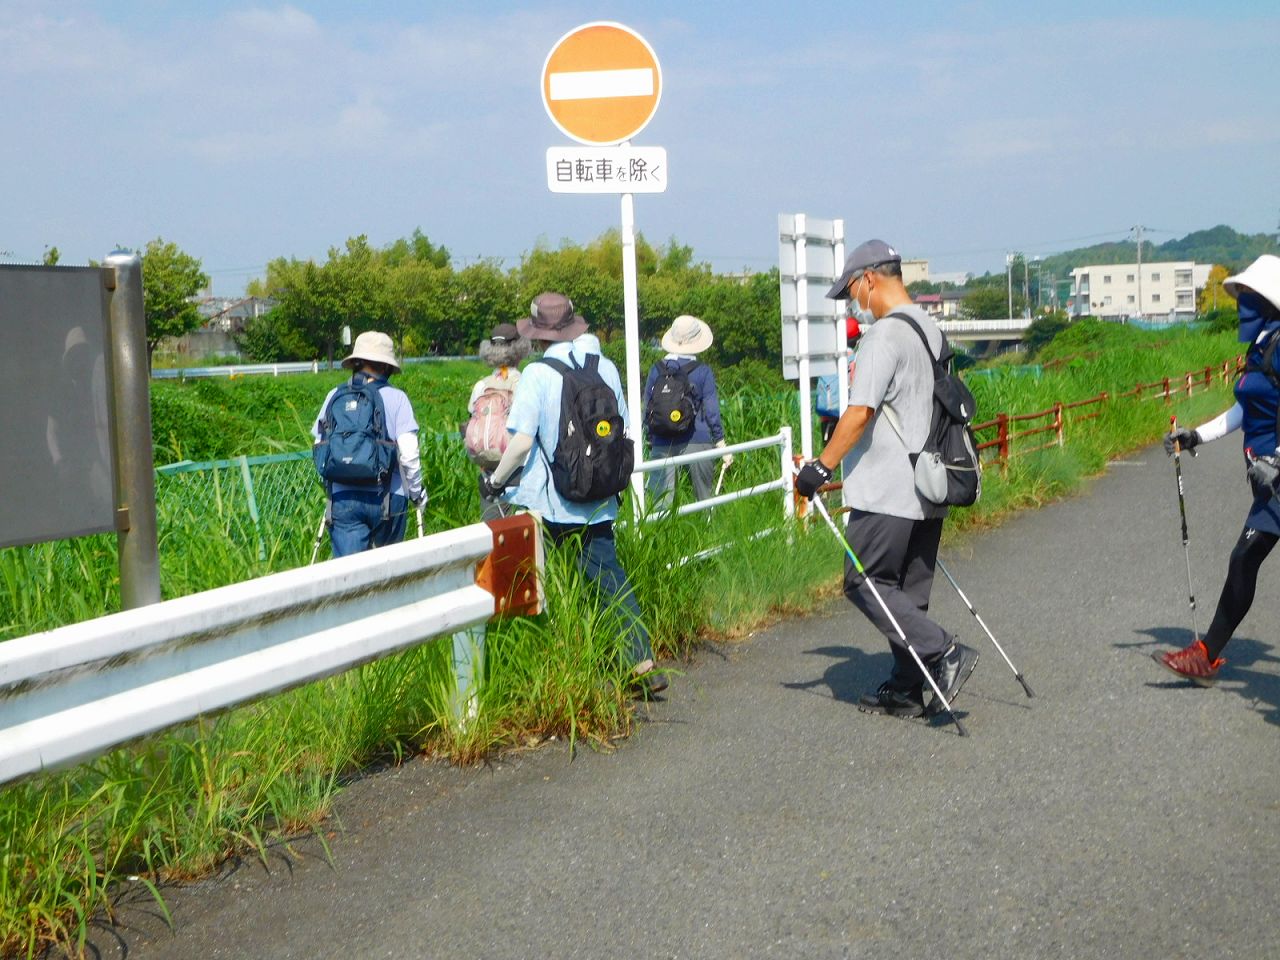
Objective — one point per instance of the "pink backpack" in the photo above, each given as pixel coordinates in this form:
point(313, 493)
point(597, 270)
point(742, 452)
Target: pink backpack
point(486, 433)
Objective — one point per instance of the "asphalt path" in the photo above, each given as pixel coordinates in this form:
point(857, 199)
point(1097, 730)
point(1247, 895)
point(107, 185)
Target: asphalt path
point(1121, 813)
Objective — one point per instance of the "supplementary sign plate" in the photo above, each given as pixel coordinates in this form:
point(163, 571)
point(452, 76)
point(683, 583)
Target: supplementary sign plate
point(607, 169)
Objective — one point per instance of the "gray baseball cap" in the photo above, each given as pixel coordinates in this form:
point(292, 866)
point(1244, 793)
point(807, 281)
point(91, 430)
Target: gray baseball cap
point(873, 253)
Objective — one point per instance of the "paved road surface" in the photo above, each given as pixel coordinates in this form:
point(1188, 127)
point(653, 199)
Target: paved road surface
point(1119, 814)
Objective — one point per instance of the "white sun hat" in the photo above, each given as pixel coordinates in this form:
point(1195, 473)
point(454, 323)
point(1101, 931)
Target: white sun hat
point(376, 348)
point(1262, 276)
point(688, 335)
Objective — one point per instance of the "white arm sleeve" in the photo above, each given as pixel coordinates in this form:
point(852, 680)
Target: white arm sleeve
point(513, 458)
point(1220, 426)
point(410, 470)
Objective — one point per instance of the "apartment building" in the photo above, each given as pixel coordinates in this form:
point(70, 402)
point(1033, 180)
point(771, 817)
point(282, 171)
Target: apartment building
point(1154, 291)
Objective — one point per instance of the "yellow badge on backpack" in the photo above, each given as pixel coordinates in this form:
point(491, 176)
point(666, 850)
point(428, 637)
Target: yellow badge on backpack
point(676, 416)
point(603, 429)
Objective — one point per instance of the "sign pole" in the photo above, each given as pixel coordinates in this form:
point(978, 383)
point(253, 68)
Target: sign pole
point(802, 340)
point(631, 326)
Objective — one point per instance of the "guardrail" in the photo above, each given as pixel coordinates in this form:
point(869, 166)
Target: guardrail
point(275, 369)
point(74, 692)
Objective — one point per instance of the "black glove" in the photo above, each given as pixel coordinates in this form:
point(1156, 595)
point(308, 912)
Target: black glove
point(1184, 438)
point(488, 489)
point(811, 476)
point(1264, 471)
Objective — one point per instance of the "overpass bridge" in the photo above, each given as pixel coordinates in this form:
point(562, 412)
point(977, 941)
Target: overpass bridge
point(972, 331)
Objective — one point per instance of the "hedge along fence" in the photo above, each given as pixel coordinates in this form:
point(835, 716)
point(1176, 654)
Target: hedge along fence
point(1007, 429)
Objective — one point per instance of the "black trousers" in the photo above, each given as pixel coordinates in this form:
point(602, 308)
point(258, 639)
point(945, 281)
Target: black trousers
point(899, 555)
point(1238, 590)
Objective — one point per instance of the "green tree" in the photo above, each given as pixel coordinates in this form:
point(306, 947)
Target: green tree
point(1214, 296)
point(989, 303)
point(51, 256)
point(1043, 329)
point(170, 279)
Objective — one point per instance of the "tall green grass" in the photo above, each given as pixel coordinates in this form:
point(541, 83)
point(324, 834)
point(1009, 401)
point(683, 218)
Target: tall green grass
point(178, 804)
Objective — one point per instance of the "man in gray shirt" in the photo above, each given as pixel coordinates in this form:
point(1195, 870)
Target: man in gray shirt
point(894, 530)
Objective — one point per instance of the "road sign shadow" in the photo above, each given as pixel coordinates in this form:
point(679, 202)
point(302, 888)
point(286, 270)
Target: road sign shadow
point(853, 674)
point(1252, 670)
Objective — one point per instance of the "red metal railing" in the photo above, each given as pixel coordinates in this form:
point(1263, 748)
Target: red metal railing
point(1007, 430)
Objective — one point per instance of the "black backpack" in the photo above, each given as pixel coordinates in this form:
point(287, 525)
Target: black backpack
point(948, 471)
point(354, 447)
point(594, 456)
point(671, 412)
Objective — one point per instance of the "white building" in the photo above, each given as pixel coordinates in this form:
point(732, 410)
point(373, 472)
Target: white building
point(1159, 291)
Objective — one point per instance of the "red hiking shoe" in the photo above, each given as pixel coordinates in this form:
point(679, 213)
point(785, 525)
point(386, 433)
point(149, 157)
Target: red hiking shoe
point(1192, 663)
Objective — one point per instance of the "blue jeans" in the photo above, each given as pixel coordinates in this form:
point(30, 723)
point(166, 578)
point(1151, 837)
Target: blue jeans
point(598, 559)
point(357, 522)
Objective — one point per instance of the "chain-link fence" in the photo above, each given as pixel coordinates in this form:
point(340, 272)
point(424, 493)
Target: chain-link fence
point(255, 506)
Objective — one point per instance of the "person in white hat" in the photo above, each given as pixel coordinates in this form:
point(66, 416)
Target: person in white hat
point(363, 517)
point(682, 410)
point(1257, 414)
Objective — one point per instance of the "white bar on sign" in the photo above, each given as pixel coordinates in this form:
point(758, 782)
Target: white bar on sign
point(597, 84)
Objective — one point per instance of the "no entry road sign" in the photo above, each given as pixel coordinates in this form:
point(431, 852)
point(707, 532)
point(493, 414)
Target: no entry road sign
point(601, 83)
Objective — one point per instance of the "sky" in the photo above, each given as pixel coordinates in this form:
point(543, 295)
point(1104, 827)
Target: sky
point(956, 131)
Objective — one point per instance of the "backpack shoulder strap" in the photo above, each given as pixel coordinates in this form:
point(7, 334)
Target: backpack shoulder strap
point(557, 365)
point(919, 333)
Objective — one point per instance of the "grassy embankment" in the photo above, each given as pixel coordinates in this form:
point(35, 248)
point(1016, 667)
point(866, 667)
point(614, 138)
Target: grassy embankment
point(180, 803)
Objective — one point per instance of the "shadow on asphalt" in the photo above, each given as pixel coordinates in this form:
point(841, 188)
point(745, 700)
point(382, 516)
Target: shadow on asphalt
point(1250, 671)
point(853, 674)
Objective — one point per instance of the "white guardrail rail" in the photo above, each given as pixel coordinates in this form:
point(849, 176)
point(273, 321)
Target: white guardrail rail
point(274, 369)
point(72, 693)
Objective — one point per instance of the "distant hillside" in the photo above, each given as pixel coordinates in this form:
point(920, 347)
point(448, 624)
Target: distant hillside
point(1220, 244)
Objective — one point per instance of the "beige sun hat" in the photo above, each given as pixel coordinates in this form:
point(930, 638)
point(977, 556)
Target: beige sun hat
point(688, 335)
point(1262, 276)
point(374, 347)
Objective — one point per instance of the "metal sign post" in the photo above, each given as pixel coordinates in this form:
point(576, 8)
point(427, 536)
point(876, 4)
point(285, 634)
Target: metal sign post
point(135, 463)
point(811, 257)
point(601, 85)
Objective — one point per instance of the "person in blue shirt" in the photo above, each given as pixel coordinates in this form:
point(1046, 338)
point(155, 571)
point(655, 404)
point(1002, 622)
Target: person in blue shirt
point(687, 338)
point(534, 425)
point(1257, 414)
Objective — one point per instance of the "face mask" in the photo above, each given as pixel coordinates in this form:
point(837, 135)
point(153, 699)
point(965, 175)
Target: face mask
point(863, 315)
point(1254, 312)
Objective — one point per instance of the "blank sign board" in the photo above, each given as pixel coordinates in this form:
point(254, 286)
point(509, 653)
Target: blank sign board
point(56, 466)
point(808, 264)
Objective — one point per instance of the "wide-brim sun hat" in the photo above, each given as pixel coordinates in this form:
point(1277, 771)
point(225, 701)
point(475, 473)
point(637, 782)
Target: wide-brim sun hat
point(1261, 276)
point(373, 347)
point(688, 335)
point(551, 317)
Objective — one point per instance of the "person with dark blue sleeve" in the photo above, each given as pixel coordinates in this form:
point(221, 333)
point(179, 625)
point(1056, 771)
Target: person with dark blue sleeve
point(1257, 414)
point(682, 410)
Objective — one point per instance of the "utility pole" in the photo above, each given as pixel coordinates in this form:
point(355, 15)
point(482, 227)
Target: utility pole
point(1026, 290)
point(1138, 231)
point(1008, 272)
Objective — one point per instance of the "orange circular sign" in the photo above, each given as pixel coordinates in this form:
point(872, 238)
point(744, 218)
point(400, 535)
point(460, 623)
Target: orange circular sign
point(601, 83)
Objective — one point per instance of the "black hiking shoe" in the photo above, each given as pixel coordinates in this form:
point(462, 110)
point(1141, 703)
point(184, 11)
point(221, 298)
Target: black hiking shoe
point(892, 700)
point(950, 671)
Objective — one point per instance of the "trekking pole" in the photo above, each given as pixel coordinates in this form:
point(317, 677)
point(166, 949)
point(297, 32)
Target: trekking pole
point(720, 481)
point(857, 565)
point(315, 549)
point(1182, 510)
point(419, 511)
point(1016, 673)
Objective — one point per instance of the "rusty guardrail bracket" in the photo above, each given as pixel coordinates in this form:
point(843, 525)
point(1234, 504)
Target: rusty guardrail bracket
point(510, 572)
